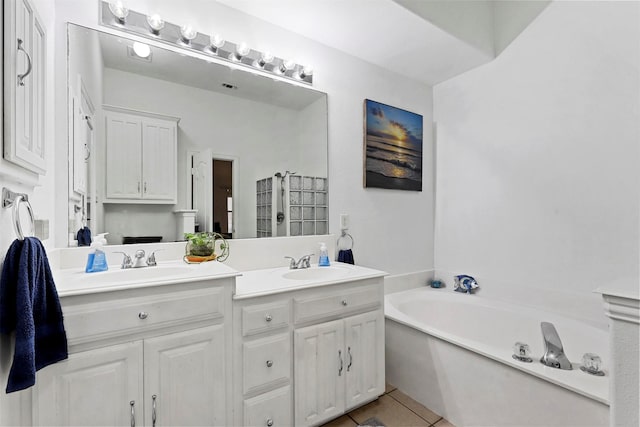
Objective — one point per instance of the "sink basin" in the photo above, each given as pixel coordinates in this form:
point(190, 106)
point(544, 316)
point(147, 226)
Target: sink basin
point(317, 273)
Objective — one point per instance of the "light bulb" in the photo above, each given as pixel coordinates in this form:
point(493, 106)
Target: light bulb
point(188, 33)
point(265, 58)
point(217, 41)
point(156, 23)
point(286, 65)
point(241, 50)
point(305, 71)
point(141, 49)
point(118, 10)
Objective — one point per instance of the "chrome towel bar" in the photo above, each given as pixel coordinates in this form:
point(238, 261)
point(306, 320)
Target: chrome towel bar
point(11, 199)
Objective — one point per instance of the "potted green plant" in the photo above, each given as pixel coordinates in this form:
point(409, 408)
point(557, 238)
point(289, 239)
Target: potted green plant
point(202, 247)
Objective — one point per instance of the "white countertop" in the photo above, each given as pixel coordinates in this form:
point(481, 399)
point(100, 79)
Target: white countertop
point(74, 281)
point(269, 281)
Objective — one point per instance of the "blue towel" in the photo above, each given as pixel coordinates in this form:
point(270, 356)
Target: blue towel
point(346, 256)
point(29, 305)
point(84, 237)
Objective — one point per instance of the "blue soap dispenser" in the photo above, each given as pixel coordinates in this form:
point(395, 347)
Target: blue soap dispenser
point(324, 256)
point(97, 260)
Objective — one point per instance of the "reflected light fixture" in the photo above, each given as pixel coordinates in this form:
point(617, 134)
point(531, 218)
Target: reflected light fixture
point(156, 23)
point(214, 48)
point(119, 11)
point(141, 49)
point(188, 33)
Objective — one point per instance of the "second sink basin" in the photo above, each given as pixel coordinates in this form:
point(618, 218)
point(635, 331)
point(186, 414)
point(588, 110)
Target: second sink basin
point(317, 273)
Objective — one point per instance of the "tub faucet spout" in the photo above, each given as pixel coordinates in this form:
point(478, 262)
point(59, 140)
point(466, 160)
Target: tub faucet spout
point(553, 351)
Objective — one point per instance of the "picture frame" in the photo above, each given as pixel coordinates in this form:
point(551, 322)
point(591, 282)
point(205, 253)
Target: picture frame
point(393, 140)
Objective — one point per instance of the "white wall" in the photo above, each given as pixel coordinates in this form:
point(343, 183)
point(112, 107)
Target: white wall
point(537, 181)
point(393, 230)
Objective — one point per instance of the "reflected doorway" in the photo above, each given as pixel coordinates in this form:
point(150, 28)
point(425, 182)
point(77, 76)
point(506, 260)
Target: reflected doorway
point(222, 171)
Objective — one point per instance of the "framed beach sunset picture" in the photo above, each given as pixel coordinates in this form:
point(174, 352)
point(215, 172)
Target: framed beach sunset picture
point(392, 147)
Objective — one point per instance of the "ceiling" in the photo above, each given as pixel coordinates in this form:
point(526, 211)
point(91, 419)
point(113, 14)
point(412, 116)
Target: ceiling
point(426, 40)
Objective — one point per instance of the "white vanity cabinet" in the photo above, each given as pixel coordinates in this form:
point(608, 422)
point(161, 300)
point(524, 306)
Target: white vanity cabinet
point(141, 157)
point(305, 356)
point(24, 85)
point(158, 356)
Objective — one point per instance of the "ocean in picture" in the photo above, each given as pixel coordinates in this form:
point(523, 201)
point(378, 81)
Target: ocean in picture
point(393, 147)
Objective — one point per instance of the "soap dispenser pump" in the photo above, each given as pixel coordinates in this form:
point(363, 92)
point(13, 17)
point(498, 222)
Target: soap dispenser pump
point(323, 261)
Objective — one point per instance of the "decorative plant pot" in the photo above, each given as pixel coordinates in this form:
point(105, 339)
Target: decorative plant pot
point(202, 247)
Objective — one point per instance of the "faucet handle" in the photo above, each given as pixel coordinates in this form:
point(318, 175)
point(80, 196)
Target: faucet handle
point(293, 264)
point(151, 259)
point(305, 261)
point(126, 260)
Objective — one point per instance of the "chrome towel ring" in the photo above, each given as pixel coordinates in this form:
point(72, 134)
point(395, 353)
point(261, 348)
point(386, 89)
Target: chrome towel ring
point(345, 238)
point(11, 199)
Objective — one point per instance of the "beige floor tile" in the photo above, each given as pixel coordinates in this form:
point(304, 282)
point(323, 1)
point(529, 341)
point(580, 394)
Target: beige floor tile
point(391, 412)
point(389, 388)
point(443, 423)
point(416, 407)
point(343, 421)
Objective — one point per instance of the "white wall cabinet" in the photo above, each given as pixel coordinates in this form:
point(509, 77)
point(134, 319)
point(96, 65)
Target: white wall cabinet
point(141, 157)
point(156, 358)
point(338, 365)
point(24, 85)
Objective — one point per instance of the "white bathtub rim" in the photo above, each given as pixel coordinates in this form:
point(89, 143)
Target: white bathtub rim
point(593, 387)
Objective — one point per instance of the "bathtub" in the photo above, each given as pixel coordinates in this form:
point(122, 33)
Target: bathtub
point(452, 353)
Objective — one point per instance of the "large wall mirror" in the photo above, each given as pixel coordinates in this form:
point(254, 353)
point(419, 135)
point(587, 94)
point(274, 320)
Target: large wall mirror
point(162, 143)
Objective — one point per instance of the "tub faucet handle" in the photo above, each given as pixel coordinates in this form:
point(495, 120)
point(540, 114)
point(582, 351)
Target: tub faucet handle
point(553, 351)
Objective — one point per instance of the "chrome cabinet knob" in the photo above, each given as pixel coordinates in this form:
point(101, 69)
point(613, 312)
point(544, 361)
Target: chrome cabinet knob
point(269, 422)
point(344, 302)
point(268, 318)
point(143, 315)
point(269, 363)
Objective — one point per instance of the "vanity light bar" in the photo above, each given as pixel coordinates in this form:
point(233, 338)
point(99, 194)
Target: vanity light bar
point(139, 24)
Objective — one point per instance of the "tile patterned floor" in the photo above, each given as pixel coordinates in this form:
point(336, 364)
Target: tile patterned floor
point(394, 409)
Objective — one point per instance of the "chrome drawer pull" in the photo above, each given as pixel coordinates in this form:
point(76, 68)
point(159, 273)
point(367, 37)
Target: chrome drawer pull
point(350, 359)
point(143, 315)
point(153, 411)
point(344, 302)
point(269, 363)
point(133, 413)
point(269, 422)
point(21, 77)
point(341, 364)
point(268, 318)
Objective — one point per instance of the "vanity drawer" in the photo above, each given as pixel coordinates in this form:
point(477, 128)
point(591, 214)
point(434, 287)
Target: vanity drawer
point(269, 409)
point(335, 303)
point(112, 316)
point(260, 318)
point(266, 362)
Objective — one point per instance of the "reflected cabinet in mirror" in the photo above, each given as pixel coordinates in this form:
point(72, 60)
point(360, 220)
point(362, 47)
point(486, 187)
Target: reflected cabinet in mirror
point(162, 143)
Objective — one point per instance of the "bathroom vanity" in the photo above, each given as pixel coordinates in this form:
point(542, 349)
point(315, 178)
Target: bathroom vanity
point(307, 348)
point(205, 344)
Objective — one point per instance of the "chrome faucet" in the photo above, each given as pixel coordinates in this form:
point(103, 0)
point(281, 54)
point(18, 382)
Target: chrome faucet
point(553, 352)
point(304, 262)
point(139, 261)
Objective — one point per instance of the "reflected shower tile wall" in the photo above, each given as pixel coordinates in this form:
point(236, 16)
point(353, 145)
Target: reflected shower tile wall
point(263, 207)
point(308, 205)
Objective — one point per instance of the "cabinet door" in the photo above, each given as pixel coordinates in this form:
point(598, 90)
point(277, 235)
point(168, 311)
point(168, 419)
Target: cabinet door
point(124, 156)
point(25, 103)
point(159, 160)
point(92, 388)
point(364, 346)
point(319, 372)
point(185, 372)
